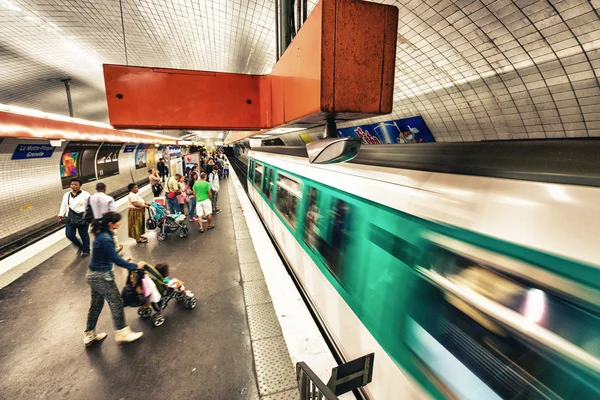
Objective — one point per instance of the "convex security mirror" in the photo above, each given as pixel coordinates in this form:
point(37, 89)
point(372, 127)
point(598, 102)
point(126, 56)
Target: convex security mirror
point(332, 149)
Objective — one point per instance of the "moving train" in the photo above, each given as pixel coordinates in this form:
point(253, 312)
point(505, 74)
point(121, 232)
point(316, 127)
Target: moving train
point(470, 270)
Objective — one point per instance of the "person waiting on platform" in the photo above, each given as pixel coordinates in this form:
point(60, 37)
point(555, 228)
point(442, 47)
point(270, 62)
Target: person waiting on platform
point(203, 204)
point(182, 197)
point(213, 179)
point(155, 182)
point(101, 279)
point(191, 197)
point(72, 213)
point(225, 168)
point(172, 189)
point(162, 169)
point(136, 216)
point(101, 203)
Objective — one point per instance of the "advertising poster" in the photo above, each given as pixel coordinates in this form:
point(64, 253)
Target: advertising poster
point(27, 151)
point(78, 160)
point(174, 151)
point(107, 160)
point(140, 156)
point(151, 157)
point(399, 131)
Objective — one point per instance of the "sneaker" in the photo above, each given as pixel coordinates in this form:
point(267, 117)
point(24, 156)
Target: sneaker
point(83, 255)
point(218, 211)
point(193, 219)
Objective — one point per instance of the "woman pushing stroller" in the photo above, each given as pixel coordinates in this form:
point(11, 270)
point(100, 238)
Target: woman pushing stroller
point(101, 279)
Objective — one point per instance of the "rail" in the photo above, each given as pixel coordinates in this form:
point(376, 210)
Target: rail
point(310, 386)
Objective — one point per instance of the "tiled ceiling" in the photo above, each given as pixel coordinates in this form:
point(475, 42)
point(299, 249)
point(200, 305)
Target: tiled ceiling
point(504, 69)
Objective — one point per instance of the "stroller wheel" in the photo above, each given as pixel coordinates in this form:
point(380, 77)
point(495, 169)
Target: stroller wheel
point(179, 296)
point(191, 303)
point(161, 236)
point(144, 312)
point(158, 320)
point(184, 232)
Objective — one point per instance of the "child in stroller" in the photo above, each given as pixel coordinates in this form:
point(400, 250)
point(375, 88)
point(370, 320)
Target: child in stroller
point(159, 289)
point(160, 218)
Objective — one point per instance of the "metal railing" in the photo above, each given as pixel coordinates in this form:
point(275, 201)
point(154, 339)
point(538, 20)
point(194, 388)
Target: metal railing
point(310, 386)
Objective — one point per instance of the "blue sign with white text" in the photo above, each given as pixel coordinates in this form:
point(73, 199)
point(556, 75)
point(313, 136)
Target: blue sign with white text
point(26, 151)
point(129, 148)
point(406, 130)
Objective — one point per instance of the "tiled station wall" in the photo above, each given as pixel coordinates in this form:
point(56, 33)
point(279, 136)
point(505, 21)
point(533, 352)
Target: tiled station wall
point(31, 189)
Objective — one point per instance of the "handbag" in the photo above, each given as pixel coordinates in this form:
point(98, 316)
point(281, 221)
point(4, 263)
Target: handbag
point(74, 218)
point(150, 224)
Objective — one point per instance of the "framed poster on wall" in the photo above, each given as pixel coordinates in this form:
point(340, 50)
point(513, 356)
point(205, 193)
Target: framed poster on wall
point(151, 157)
point(140, 156)
point(78, 160)
point(399, 131)
point(107, 160)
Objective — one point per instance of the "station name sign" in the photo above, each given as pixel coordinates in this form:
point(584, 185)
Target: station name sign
point(27, 151)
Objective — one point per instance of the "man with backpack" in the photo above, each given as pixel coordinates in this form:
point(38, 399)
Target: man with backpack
point(72, 213)
point(213, 179)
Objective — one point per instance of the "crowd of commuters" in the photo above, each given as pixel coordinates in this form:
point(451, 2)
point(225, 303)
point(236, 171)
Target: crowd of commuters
point(196, 192)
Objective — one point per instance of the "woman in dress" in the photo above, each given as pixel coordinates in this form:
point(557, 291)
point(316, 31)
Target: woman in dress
point(136, 216)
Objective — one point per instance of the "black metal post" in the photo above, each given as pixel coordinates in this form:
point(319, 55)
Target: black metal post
point(68, 89)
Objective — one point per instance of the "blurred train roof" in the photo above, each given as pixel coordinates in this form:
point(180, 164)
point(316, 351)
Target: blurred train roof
point(565, 161)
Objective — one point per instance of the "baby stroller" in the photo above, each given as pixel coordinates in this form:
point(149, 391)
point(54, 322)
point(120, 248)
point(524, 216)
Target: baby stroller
point(159, 218)
point(168, 291)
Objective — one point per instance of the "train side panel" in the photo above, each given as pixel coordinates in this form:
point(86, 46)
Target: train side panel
point(365, 267)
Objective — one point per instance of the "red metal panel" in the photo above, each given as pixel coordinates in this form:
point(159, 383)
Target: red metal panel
point(341, 64)
point(389, 60)
point(359, 42)
point(169, 98)
point(25, 126)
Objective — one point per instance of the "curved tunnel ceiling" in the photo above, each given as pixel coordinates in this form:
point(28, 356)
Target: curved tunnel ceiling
point(474, 70)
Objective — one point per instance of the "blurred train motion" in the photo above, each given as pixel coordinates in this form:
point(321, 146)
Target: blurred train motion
point(470, 270)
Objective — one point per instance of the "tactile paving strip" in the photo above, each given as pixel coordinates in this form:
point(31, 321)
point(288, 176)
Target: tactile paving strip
point(256, 292)
point(273, 366)
point(287, 395)
point(242, 234)
point(263, 321)
point(251, 272)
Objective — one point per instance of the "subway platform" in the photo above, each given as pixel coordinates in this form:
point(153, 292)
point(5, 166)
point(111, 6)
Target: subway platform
point(242, 340)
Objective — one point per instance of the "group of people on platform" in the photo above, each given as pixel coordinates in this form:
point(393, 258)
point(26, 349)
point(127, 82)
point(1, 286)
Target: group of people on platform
point(196, 190)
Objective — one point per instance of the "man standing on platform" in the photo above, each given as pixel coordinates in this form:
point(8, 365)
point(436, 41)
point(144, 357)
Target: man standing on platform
point(203, 195)
point(172, 189)
point(72, 213)
point(162, 169)
point(101, 203)
point(213, 179)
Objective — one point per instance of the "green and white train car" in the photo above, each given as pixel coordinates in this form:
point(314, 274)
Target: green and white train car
point(464, 286)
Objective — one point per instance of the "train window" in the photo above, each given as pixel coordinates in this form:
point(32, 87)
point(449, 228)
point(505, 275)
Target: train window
point(268, 183)
point(311, 220)
point(258, 173)
point(483, 331)
point(250, 168)
point(289, 192)
point(333, 244)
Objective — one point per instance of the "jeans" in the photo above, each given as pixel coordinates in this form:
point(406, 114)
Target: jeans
point(192, 207)
point(104, 288)
point(71, 233)
point(173, 205)
point(226, 172)
point(215, 198)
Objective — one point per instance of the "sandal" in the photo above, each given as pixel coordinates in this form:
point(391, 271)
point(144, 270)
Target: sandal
point(142, 240)
point(211, 226)
point(201, 230)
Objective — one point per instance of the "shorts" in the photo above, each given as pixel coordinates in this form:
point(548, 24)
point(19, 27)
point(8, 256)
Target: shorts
point(205, 206)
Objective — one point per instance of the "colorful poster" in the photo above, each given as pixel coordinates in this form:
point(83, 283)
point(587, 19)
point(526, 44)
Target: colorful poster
point(406, 130)
point(151, 157)
point(140, 156)
point(78, 161)
point(27, 151)
point(107, 160)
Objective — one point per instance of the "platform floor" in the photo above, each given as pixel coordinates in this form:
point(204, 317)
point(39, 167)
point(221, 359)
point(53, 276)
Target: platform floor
point(205, 353)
